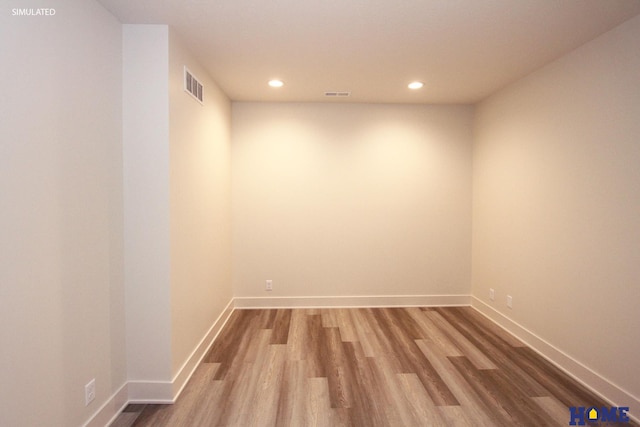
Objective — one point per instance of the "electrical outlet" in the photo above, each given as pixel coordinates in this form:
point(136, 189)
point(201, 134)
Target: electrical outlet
point(509, 301)
point(269, 286)
point(492, 294)
point(89, 392)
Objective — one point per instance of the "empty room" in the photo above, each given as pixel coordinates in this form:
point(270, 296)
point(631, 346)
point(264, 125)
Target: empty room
point(307, 213)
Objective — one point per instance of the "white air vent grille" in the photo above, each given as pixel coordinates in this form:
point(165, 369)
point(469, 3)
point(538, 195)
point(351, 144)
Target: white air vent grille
point(337, 94)
point(192, 86)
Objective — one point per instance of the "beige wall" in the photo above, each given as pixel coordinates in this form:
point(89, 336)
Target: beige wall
point(200, 205)
point(556, 206)
point(146, 201)
point(177, 209)
point(351, 199)
point(61, 286)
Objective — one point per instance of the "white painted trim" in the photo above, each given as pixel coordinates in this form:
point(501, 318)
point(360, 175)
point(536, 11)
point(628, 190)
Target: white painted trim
point(110, 409)
point(613, 394)
point(353, 301)
point(156, 392)
point(181, 379)
point(168, 391)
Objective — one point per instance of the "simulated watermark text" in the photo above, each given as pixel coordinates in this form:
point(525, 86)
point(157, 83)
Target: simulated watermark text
point(33, 12)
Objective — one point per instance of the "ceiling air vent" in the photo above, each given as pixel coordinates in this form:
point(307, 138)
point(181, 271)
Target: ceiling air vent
point(192, 85)
point(337, 94)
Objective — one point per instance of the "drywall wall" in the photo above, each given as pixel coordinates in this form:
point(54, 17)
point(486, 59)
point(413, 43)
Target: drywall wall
point(177, 212)
point(556, 206)
point(61, 250)
point(145, 100)
point(200, 205)
point(351, 199)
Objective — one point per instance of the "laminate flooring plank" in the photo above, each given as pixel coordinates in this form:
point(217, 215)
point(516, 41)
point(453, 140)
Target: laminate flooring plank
point(125, 419)
point(385, 393)
point(411, 358)
point(364, 410)
point(236, 340)
point(208, 410)
point(293, 392)
point(455, 416)
point(154, 415)
point(402, 320)
point(490, 398)
point(474, 406)
point(346, 325)
point(468, 349)
point(318, 412)
point(281, 325)
point(329, 318)
point(554, 408)
point(186, 410)
point(372, 341)
point(397, 406)
point(315, 346)
point(267, 318)
point(228, 340)
point(334, 361)
point(514, 399)
point(421, 409)
point(264, 402)
point(472, 316)
point(237, 408)
point(500, 353)
point(559, 384)
point(432, 334)
point(297, 342)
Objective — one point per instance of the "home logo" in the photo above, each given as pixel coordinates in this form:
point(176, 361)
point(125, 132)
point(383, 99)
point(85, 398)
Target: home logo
point(581, 415)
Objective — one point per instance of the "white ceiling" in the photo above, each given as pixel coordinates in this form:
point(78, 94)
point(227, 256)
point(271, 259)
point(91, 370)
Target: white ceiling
point(463, 50)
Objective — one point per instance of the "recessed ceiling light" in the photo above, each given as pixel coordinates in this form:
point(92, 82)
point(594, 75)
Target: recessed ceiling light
point(415, 85)
point(276, 83)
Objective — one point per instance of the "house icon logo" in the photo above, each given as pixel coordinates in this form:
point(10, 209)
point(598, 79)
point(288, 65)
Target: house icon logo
point(580, 415)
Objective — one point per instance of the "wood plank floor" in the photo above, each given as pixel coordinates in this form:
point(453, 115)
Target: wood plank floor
point(369, 367)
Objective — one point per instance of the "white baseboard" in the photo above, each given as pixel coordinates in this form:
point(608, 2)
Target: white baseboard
point(353, 301)
point(159, 392)
point(604, 388)
point(156, 392)
point(168, 391)
point(188, 368)
point(111, 408)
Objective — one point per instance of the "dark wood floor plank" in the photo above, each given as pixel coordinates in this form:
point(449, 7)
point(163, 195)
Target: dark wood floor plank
point(411, 358)
point(498, 351)
point(514, 399)
point(434, 366)
point(365, 410)
point(468, 349)
point(315, 347)
point(475, 317)
point(335, 364)
point(560, 385)
point(281, 325)
point(473, 404)
point(489, 397)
